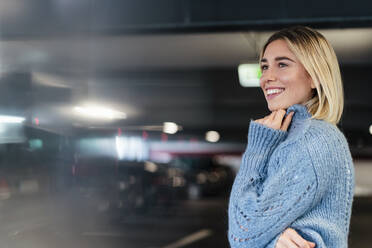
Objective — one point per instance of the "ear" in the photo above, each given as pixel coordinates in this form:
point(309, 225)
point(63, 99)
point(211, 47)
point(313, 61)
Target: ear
point(312, 85)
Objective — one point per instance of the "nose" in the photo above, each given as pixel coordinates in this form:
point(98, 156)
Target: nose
point(268, 75)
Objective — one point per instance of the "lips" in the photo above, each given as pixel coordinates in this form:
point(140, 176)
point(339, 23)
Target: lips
point(273, 92)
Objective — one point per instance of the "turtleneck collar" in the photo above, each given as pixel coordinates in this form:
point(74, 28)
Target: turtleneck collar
point(298, 123)
point(300, 112)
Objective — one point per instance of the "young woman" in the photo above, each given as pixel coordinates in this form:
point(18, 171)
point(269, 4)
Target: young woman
point(296, 181)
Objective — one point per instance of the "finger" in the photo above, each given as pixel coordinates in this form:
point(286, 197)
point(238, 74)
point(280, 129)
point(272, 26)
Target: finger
point(297, 239)
point(262, 121)
point(278, 120)
point(266, 120)
point(287, 121)
point(312, 244)
point(272, 115)
point(288, 243)
point(269, 119)
point(279, 244)
point(279, 115)
point(259, 121)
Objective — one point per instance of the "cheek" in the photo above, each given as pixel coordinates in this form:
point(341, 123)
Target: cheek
point(262, 80)
point(262, 84)
point(288, 79)
point(295, 82)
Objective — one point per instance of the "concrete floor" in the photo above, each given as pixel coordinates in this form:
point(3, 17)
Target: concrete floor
point(47, 222)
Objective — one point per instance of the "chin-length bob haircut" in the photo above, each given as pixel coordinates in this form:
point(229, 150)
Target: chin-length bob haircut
point(319, 60)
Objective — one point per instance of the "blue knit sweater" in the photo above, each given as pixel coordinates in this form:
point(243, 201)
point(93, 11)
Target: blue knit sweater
point(301, 178)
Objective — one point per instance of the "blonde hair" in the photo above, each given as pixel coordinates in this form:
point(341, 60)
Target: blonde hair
point(319, 60)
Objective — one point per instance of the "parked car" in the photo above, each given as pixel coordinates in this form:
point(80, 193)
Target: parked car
point(203, 176)
point(123, 187)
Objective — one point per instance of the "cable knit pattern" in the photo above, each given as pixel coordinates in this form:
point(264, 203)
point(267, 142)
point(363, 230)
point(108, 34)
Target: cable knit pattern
point(302, 178)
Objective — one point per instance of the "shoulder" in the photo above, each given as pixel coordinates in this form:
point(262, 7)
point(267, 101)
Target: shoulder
point(317, 134)
point(320, 142)
point(323, 136)
point(326, 148)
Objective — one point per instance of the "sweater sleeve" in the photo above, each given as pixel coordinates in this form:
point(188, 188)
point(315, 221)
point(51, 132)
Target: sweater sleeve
point(257, 217)
point(262, 141)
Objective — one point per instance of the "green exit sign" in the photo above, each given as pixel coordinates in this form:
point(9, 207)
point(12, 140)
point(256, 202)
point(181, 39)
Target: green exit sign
point(249, 75)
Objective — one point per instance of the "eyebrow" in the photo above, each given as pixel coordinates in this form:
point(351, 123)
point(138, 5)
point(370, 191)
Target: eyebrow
point(279, 58)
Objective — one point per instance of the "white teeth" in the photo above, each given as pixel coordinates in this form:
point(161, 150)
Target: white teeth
point(273, 91)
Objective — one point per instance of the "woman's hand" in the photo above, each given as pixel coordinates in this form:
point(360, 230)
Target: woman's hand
point(275, 120)
point(291, 239)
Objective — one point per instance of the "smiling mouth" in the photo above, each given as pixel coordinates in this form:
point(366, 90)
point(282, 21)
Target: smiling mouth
point(271, 93)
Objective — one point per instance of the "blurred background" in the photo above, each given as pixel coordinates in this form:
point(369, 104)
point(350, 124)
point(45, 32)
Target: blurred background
point(122, 123)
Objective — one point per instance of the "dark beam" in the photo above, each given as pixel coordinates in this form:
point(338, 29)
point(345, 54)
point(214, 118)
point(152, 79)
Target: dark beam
point(26, 19)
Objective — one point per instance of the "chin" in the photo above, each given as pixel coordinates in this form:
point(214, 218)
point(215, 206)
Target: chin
point(273, 107)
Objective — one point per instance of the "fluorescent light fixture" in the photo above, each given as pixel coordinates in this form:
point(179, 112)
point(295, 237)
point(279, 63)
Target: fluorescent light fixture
point(49, 80)
point(98, 112)
point(11, 119)
point(249, 75)
point(370, 129)
point(120, 146)
point(131, 148)
point(212, 136)
point(170, 127)
point(151, 166)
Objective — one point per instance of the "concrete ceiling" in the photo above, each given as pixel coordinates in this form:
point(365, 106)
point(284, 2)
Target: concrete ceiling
point(207, 50)
point(190, 77)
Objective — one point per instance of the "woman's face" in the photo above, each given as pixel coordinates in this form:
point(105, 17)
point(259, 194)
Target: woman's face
point(284, 80)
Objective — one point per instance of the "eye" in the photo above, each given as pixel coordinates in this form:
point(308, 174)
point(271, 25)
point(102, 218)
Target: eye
point(282, 65)
point(263, 67)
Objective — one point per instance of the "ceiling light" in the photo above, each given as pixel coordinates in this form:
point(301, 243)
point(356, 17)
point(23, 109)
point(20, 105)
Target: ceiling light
point(370, 129)
point(98, 112)
point(11, 119)
point(170, 127)
point(212, 136)
point(150, 166)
